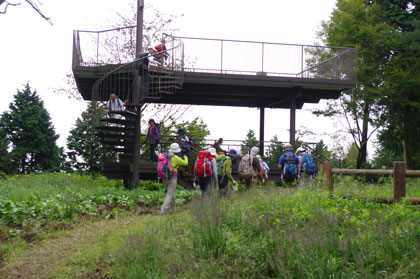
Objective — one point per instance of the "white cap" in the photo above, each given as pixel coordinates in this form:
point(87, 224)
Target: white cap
point(150, 47)
point(254, 150)
point(212, 151)
point(288, 147)
point(300, 149)
point(174, 148)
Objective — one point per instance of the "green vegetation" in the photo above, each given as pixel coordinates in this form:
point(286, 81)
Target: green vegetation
point(42, 198)
point(284, 233)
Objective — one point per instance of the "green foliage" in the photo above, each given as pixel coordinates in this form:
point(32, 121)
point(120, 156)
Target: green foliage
point(275, 150)
point(249, 142)
point(196, 129)
point(58, 196)
point(86, 152)
point(356, 24)
point(286, 233)
point(28, 129)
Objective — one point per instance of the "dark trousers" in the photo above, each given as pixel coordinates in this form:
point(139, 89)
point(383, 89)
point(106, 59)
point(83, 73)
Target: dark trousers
point(205, 184)
point(153, 156)
point(223, 185)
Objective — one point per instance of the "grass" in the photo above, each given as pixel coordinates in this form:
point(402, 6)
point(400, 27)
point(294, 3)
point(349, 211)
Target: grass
point(284, 233)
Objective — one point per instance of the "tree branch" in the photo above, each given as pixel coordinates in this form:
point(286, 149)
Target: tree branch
point(35, 7)
point(7, 5)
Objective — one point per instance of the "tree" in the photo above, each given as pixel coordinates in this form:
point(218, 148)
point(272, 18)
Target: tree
point(85, 151)
point(356, 24)
point(27, 126)
point(6, 164)
point(275, 150)
point(5, 4)
point(401, 96)
point(196, 129)
point(249, 142)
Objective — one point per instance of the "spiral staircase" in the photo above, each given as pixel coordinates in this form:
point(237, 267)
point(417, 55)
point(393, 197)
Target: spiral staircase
point(118, 129)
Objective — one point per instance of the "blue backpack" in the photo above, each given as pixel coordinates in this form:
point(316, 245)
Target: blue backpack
point(308, 164)
point(289, 172)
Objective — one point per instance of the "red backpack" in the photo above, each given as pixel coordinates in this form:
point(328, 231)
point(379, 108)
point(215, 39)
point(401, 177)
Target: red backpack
point(202, 167)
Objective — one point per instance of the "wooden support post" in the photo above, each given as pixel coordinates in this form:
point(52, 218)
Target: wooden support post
point(399, 180)
point(293, 120)
point(262, 131)
point(328, 166)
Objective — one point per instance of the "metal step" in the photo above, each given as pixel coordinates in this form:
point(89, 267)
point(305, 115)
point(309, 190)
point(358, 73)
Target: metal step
point(117, 143)
point(118, 121)
point(124, 113)
point(114, 136)
point(115, 129)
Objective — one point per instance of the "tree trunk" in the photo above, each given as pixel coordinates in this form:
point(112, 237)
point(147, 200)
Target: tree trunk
point(361, 157)
point(406, 143)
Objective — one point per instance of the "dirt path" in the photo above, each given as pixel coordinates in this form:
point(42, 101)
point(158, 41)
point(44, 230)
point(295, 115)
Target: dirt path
point(77, 253)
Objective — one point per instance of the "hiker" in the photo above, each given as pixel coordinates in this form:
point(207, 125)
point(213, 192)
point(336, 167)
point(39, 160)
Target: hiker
point(205, 169)
point(307, 166)
point(224, 171)
point(264, 169)
point(249, 168)
point(115, 104)
point(186, 141)
point(153, 136)
point(168, 171)
point(161, 54)
point(219, 150)
point(142, 66)
point(289, 163)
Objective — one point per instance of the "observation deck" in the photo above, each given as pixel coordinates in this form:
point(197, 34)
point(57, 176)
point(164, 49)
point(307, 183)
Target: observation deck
point(221, 72)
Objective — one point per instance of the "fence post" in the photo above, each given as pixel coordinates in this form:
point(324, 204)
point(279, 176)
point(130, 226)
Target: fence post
point(328, 166)
point(399, 180)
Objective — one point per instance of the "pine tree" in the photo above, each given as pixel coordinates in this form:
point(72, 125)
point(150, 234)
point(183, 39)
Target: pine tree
point(249, 142)
point(85, 151)
point(28, 128)
point(275, 150)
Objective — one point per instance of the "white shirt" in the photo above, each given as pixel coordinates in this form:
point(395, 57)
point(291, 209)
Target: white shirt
point(116, 105)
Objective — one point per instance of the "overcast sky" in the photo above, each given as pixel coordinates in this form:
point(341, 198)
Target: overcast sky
point(33, 50)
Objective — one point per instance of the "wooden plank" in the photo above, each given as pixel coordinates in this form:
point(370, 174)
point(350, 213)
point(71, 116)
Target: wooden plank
point(362, 172)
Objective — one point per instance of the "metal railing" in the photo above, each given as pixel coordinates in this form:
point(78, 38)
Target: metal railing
point(116, 46)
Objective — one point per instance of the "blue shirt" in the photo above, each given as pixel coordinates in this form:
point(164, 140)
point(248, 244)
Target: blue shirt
point(281, 161)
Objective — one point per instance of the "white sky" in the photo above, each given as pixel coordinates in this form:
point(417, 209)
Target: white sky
point(33, 50)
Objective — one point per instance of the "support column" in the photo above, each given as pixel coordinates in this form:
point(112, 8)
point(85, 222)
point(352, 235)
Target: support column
point(137, 98)
point(262, 112)
point(293, 120)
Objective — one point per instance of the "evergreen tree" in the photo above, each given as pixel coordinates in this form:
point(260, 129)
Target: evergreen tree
point(86, 153)
point(249, 142)
point(6, 164)
point(27, 126)
point(275, 150)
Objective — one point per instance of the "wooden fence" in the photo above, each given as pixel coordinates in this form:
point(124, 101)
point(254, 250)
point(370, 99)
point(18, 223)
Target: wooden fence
point(399, 173)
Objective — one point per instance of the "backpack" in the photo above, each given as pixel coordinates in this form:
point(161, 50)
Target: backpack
point(245, 166)
point(202, 167)
point(221, 164)
point(263, 170)
point(289, 171)
point(190, 141)
point(308, 164)
point(164, 167)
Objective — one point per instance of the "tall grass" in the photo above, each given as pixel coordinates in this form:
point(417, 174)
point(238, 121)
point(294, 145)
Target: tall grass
point(282, 233)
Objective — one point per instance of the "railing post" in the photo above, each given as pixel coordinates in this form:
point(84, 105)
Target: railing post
point(262, 62)
point(221, 56)
point(97, 49)
point(399, 180)
point(328, 166)
point(301, 63)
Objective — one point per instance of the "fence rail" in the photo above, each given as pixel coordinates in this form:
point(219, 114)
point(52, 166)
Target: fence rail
point(399, 173)
point(116, 46)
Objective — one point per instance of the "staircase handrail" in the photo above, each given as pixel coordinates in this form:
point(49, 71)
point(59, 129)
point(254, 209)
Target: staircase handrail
point(103, 77)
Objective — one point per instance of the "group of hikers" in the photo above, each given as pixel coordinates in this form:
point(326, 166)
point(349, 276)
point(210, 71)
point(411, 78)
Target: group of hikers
point(213, 167)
